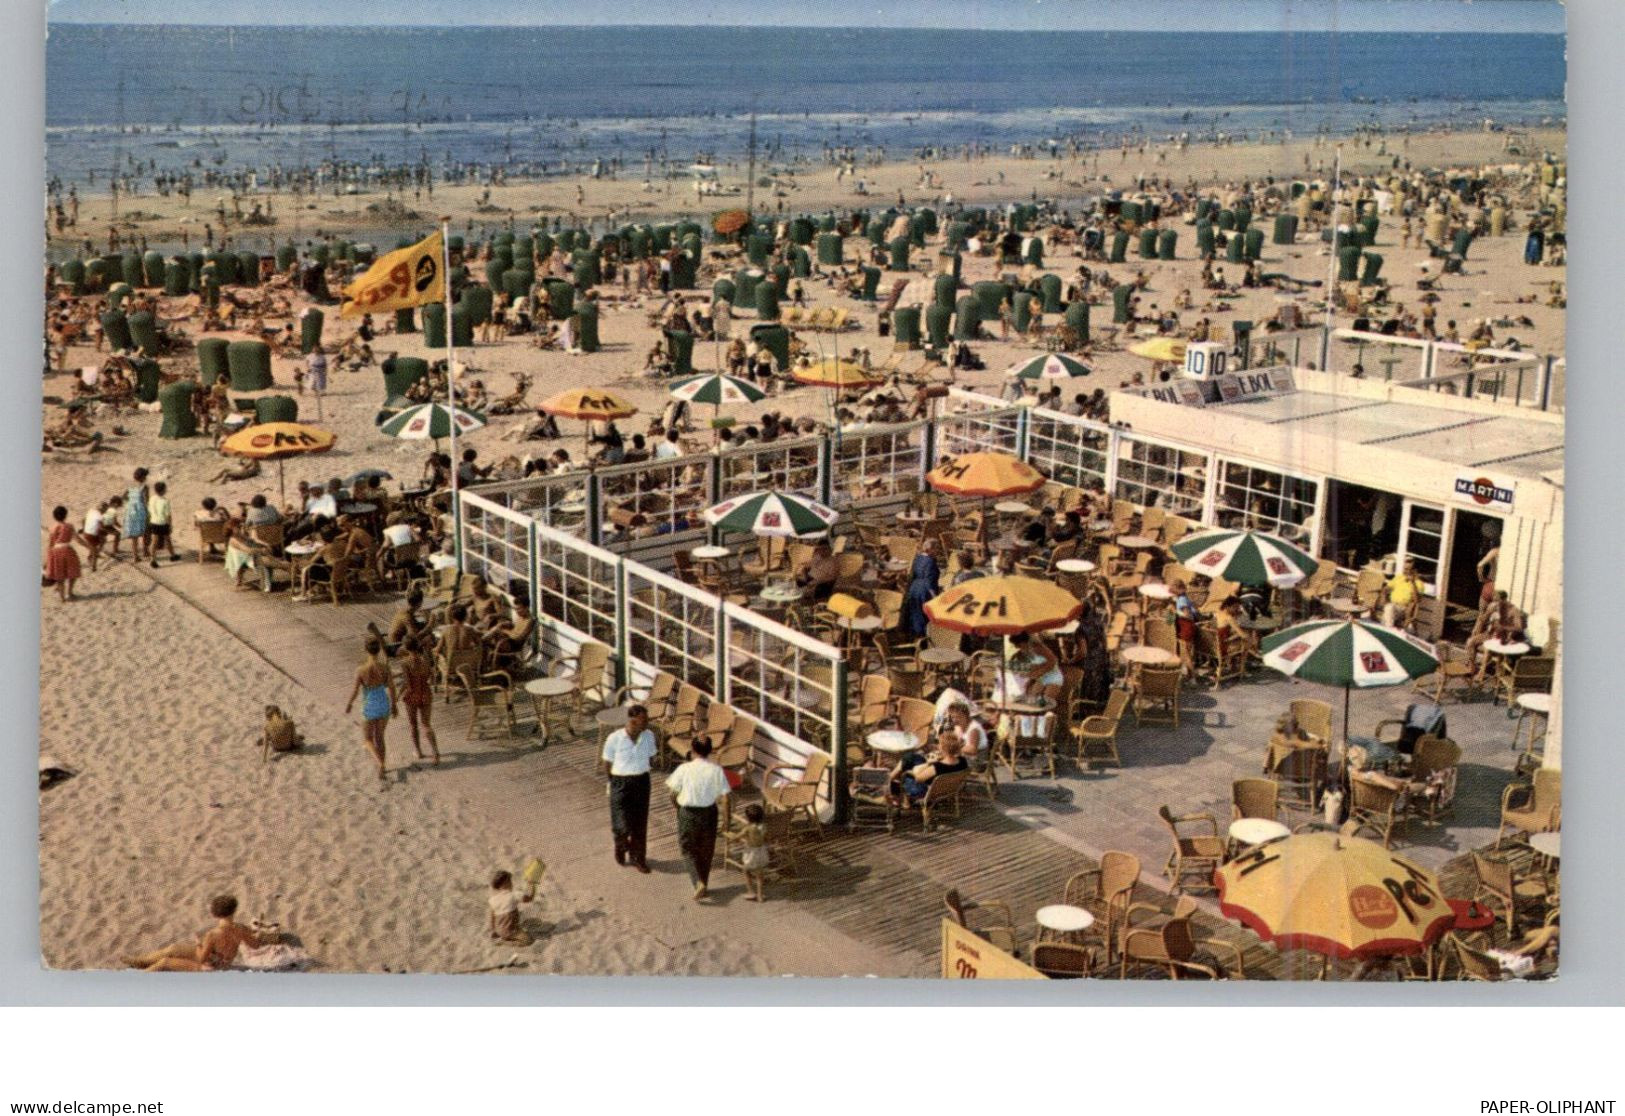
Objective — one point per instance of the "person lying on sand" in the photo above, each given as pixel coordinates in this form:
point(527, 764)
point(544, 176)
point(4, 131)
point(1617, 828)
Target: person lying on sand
point(240, 472)
point(214, 949)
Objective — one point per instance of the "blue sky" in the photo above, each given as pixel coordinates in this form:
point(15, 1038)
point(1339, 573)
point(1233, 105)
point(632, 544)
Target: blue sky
point(1174, 15)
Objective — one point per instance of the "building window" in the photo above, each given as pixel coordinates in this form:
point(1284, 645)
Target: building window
point(1254, 499)
point(1158, 476)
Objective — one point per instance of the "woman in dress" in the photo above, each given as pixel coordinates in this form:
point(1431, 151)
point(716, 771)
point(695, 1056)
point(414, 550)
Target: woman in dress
point(135, 515)
point(1092, 657)
point(417, 694)
point(924, 583)
point(61, 559)
point(376, 686)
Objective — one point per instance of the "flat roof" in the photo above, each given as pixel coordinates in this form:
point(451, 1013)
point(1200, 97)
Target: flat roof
point(1509, 442)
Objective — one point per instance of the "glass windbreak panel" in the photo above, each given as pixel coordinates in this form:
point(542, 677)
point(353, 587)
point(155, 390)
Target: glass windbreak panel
point(1153, 475)
point(1257, 499)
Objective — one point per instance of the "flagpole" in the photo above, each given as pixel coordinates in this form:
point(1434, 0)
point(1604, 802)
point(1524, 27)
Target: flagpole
point(451, 385)
point(1331, 265)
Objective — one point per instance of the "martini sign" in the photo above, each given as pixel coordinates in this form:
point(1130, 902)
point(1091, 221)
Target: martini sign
point(1484, 492)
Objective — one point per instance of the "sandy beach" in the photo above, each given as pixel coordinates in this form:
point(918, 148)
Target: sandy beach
point(157, 706)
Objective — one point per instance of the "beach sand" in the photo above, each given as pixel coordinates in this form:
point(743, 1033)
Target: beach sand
point(157, 706)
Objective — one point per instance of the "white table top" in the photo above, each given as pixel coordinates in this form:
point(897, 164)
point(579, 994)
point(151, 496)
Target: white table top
point(893, 741)
point(1547, 844)
point(1255, 831)
point(1157, 591)
point(1064, 919)
point(299, 549)
point(1343, 605)
point(1496, 647)
point(943, 656)
point(1075, 565)
point(783, 593)
point(859, 623)
point(706, 553)
point(1148, 656)
point(612, 718)
point(1014, 507)
point(1135, 542)
point(1535, 703)
point(550, 687)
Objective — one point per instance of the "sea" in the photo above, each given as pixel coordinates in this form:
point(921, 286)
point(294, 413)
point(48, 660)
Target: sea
point(555, 100)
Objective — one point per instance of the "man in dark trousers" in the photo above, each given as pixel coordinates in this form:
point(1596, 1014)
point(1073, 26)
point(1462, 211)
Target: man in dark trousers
point(696, 788)
point(627, 755)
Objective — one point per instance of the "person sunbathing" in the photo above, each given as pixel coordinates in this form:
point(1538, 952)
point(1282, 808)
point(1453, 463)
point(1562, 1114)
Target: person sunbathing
point(213, 950)
point(244, 470)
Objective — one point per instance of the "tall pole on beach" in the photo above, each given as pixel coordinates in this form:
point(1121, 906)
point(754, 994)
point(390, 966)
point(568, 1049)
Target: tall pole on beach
point(451, 383)
point(1331, 265)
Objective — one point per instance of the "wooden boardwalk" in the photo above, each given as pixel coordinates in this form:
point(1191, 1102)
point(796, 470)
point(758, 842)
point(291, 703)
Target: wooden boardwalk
point(870, 889)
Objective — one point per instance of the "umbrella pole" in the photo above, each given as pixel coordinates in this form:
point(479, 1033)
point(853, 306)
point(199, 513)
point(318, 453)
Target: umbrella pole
point(1347, 693)
point(281, 483)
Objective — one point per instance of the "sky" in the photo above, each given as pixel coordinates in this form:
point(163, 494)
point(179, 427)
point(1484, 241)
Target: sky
point(1542, 16)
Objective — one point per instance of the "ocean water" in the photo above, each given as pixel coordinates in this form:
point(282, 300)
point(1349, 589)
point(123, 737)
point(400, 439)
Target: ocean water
point(546, 99)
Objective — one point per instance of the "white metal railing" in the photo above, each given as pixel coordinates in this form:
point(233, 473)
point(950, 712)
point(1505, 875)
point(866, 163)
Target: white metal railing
point(1296, 347)
point(495, 543)
point(558, 501)
point(1377, 356)
point(878, 463)
point(790, 465)
point(578, 587)
point(979, 429)
point(670, 626)
point(1069, 450)
point(664, 496)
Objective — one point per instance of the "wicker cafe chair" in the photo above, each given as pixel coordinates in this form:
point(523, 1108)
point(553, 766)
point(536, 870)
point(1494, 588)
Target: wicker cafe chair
point(1255, 798)
point(1106, 892)
point(798, 795)
point(1096, 737)
point(1157, 696)
point(587, 668)
point(677, 730)
point(1195, 851)
point(1063, 961)
point(1374, 805)
point(989, 919)
point(782, 845)
point(1299, 769)
point(492, 693)
point(1532, 807)
point(940, 793)
point(1313, 718)
point(1432, 788)
point(1496, 885)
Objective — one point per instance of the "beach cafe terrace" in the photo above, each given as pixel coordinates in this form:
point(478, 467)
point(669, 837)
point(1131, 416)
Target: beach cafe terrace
point(632, 587)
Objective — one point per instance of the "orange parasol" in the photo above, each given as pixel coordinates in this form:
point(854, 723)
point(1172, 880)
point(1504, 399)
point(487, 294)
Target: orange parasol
point(985, 474)
point(838, 374)
point(1003, 606)
point(589, 403)
point(276, 441)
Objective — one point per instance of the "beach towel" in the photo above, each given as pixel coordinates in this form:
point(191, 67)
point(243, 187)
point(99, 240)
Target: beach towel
point(277, 957)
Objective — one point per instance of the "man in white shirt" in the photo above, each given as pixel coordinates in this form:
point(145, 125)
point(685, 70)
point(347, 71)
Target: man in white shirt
point(696, 788)
point(669, 447)
point(627, 755)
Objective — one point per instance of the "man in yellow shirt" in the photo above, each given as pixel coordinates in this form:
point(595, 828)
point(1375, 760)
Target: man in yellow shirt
point(1402, 595)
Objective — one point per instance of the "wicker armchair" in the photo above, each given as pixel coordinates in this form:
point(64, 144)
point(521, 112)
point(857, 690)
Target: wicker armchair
point(1096, 737)
point(1532, 807)
point(1374, 806)
point(989, 919)
point(1197, 848)
point(1157, 695)
point(1063, 961)
point(799, 795)
point(1497, 886)
point(1255, 798)
point(1106, 892)
point(1172, 946)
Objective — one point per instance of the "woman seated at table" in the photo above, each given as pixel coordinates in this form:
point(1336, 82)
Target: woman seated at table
point(1035, 661)
point(969, 731)
point(1070, 527)
point(819, 576)
point(914, 773)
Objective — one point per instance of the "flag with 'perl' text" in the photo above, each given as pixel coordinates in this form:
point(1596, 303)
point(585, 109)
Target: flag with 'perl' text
point(406, 277)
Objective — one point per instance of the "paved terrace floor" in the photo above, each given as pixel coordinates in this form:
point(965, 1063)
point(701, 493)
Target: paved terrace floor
point(869, 902)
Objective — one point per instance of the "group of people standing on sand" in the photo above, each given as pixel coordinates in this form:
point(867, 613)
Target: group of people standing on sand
point(143, 515)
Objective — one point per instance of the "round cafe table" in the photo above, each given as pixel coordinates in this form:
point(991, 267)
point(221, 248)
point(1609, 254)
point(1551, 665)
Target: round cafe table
point(1145, 655)
point(302, 548)
point(1014, 507)
point(709, 553)
point(1536, 709)
point(544, 692)
point(1060, 919)
point(1507, 650)
point(1136, 542)
point(1156, 591)
point(611, 718)
point(783, 594)
point(892, 742)
point(1255, 831)
point(1549, 845)
point(1261, 624)
point(1075, 565)
point(1346, 607)
point(943, 660)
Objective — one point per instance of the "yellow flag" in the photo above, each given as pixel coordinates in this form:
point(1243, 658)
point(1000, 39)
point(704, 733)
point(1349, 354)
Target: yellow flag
point(406, 277)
